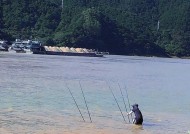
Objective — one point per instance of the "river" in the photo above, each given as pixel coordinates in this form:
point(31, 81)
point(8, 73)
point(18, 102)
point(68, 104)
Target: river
point(35, 97)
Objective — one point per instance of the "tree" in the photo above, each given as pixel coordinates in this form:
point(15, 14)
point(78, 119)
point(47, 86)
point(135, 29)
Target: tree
point(118, 26)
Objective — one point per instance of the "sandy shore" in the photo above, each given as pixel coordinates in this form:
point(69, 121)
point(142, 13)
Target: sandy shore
point(87, 130)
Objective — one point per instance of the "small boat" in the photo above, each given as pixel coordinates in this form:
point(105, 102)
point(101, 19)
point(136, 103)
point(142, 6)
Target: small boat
point(24, 46)
point(3, 46)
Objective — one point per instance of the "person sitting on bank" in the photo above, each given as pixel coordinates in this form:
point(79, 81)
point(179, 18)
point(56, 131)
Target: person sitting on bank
point(138, 120)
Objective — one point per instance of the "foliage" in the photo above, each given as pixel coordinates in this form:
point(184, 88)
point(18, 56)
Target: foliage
point(128, 27)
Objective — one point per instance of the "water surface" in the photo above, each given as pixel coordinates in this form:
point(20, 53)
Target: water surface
point(34, 97)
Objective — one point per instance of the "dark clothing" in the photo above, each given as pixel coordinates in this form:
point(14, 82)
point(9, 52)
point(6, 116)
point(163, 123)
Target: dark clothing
point(138, 115)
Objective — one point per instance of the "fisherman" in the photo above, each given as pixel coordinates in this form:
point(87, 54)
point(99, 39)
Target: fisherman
point(138, 120)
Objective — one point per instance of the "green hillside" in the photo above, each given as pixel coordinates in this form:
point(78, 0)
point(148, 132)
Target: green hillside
point(128, 27)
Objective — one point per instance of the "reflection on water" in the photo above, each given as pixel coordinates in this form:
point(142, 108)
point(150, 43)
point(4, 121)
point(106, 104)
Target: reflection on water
point(34, 97)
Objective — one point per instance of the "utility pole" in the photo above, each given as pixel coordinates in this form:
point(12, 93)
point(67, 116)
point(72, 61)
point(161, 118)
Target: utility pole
point(158, 25)
point(62, 4)
point(1, 14)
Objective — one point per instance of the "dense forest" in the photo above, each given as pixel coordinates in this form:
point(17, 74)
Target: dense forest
point(127, 27)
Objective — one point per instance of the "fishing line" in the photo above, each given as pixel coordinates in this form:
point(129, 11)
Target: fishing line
point(85, 103)
point(123, 100)
point(117, 104)
point(75, 102)
point(128, 101)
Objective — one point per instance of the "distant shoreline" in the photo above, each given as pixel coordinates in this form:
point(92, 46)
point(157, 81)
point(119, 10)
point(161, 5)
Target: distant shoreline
point(183, 57)
point(173, 57)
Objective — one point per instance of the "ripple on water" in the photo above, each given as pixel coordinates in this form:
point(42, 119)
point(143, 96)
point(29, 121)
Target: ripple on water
point(34, 98)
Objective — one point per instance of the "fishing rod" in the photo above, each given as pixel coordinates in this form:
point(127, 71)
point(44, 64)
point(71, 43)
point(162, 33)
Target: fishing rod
point(117, 104)
point(123, 100)
point(128, 101)
point(75, 102)
point(85, 102)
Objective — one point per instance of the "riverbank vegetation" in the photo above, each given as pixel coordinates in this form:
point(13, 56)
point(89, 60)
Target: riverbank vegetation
point(127, 27)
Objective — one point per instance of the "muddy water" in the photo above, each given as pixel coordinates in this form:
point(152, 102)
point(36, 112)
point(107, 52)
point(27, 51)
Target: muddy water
point(34, 97)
